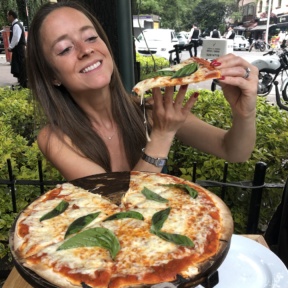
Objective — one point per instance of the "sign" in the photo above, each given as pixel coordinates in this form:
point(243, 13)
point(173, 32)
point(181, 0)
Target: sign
point(214, 48)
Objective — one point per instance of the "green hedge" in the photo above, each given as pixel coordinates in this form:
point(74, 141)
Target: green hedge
point(17, 143)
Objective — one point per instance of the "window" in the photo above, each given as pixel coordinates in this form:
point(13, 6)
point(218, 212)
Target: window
point(251, 9)
point(260, 6)
point(279, 4)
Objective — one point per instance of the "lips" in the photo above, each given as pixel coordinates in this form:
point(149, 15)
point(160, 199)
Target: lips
point(91, 67)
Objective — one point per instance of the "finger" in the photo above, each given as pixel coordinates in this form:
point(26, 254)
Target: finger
point(234, 66)
point(157, 97)
point(230, 61)
point(191, 101)
point(180, 96)
point(168, 96)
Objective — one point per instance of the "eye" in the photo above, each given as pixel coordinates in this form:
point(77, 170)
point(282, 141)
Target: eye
point(92, 39)
point(65, 51)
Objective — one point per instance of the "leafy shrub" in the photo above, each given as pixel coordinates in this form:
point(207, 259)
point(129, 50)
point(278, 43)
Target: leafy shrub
point(17, 143)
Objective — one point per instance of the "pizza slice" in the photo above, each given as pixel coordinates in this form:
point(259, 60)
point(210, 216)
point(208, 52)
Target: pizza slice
point(192, 70)
point(46, 220)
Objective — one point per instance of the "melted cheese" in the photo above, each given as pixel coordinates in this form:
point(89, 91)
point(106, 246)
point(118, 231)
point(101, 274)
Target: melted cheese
point(50, 231)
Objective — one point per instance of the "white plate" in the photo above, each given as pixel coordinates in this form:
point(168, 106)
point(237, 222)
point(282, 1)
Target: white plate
point(249, 264)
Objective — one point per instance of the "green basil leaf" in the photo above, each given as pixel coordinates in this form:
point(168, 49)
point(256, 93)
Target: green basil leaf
point(161, 73)
point(98, 236)
point(150, 195)
point(60, 208)
point(80, 223)
point(159, 218)
point(192, 192)
point(177, 239)
point(186, 70)
point(127, 214)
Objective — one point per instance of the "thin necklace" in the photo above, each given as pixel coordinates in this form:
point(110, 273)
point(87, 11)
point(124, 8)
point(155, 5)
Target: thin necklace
point(107, 137)
point(110, 137)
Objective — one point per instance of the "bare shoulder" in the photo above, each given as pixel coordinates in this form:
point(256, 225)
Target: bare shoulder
point(52, 142)
point(58, 148)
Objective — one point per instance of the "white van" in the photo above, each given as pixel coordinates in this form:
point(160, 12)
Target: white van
point(159, 42)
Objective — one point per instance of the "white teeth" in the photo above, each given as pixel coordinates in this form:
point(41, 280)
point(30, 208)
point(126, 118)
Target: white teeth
point(92, 67)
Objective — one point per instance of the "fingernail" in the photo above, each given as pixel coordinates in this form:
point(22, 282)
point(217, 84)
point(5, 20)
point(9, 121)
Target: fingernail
point(215, 63)
point(222, 78)
point(196, 94)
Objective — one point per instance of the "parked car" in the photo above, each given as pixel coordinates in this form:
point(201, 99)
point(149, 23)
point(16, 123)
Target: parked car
point(182, 38)
point(2, 50)
point(159, 43)
point(240, 43)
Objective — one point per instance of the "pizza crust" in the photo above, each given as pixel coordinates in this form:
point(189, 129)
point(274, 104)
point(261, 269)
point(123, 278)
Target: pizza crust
point(227, 223)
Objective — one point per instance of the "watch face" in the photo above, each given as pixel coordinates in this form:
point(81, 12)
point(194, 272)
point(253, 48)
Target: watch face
point(160, 162)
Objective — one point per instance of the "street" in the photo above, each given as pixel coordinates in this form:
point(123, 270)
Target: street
point(6, 78)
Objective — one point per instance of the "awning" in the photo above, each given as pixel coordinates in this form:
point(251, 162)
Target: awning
point(262, 27)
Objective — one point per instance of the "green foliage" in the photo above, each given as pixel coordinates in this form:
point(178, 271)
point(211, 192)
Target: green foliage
point(181, 14)
point(149, 64)
point(271, 148)
point(17, 143)
point(19, 7)
point(217, 13)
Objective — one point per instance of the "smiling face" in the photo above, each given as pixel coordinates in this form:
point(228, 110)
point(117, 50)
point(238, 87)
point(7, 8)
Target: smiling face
point(79, 57)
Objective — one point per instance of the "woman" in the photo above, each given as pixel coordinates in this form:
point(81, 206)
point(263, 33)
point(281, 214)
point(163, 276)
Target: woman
point(95, 127)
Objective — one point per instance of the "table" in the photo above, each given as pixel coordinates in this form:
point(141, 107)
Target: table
point(14, 279)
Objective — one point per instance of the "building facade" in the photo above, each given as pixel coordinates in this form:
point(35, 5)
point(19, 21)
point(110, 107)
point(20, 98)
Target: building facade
point(141, 22)
point(254, 18)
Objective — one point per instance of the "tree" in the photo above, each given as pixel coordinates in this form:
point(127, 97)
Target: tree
point(181, 14)
point(20, 7)
point(209, 13)
point(5, 5)
point(147, 7)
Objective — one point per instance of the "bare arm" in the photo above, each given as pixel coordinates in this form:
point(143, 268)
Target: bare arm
point(234, 145)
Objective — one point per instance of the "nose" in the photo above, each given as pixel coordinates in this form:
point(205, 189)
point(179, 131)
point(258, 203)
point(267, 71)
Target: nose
point(84, 50)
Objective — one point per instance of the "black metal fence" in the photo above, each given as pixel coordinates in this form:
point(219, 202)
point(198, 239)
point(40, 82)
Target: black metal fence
point(257, 185)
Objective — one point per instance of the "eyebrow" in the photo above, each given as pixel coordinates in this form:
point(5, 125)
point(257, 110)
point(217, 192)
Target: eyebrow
point(64, 36)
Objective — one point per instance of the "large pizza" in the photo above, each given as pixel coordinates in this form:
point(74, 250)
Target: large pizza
point(163, 229)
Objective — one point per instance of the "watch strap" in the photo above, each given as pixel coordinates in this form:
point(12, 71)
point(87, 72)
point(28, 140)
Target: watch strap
point(158, 162)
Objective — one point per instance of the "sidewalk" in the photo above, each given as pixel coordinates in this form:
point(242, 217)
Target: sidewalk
point(6, 78)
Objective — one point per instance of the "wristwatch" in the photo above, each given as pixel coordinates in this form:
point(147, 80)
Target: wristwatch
point(158, 162)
